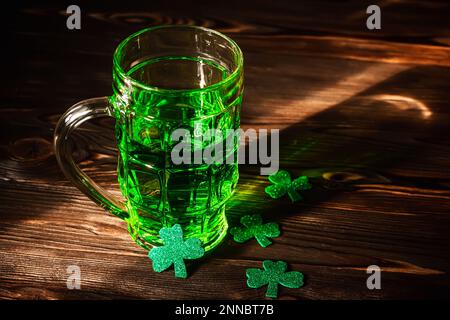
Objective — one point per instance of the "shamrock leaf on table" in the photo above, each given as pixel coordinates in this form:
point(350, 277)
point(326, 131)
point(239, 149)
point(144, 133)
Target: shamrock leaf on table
point(174, 251)
point(283, 184)
point(274, 273)
point(253, 227)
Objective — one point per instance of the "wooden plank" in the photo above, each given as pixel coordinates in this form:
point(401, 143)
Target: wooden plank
point(364, 115)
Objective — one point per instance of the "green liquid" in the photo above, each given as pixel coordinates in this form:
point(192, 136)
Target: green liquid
point(160, 193)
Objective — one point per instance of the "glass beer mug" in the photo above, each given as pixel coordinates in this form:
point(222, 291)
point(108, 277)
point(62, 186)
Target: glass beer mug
point(166, 78)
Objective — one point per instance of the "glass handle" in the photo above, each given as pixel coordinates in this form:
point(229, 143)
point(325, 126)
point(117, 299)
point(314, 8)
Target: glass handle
point(70, 120)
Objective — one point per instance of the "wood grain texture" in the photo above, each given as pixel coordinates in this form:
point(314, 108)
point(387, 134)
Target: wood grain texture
point(364, 114)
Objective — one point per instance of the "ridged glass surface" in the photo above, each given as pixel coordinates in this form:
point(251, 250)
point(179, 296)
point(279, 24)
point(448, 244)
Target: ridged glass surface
point(195, 96)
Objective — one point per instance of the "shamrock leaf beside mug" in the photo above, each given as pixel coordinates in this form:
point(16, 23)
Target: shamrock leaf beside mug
point(274, 273)
point(253, 227)
point(283, 184)
point(174, 251)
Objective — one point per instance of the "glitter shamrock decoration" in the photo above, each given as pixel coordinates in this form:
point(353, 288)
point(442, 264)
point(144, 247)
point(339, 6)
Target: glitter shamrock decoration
point(253, 227)
point(174, 251)
point(274, 273)
point(283, 184)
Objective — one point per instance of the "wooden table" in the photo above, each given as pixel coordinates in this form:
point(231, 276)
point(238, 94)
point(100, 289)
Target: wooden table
point(365, 114)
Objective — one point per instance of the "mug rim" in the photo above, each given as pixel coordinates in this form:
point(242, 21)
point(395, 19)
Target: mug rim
point(230, 78)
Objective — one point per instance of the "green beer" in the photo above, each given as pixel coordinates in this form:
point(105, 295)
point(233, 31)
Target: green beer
point(165, 79)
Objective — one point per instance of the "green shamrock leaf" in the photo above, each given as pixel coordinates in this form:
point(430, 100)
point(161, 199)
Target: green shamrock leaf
point(174, 251)
point(274, 273)
point(283, 184)
point(253, 227)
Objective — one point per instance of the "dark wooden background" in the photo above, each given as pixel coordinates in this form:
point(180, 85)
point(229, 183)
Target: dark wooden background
point(364, 113)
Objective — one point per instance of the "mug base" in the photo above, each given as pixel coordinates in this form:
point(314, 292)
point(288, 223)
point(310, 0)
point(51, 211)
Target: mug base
point(210, 240)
